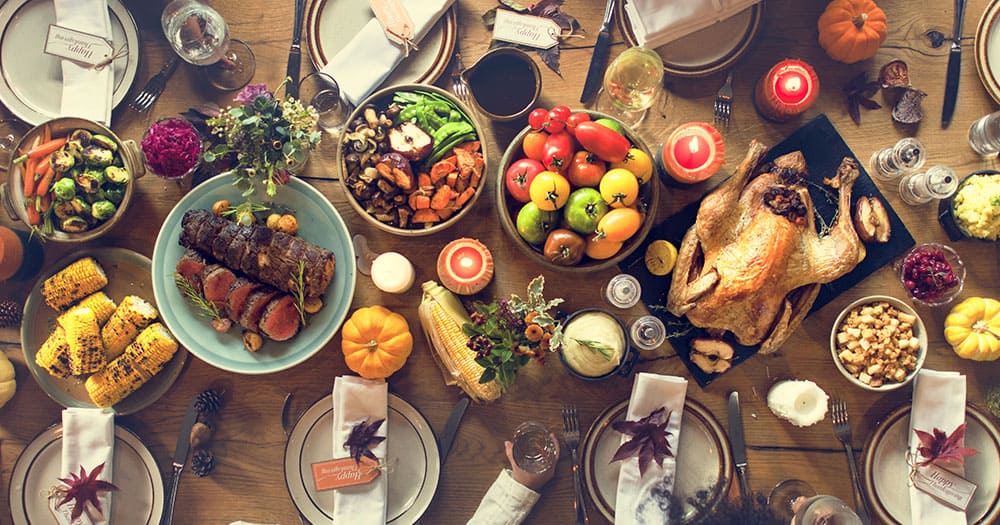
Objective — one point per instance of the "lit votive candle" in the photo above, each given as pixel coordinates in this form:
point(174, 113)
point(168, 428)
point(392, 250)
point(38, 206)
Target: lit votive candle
point(465, 266)
point(392, 273)
point(693, 152)
point(787, 90)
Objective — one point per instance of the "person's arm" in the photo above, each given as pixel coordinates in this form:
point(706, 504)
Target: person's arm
point(511, 497)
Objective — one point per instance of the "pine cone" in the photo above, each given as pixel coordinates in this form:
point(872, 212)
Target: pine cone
point(209, 402)
point(202, 462)
point(10, 314)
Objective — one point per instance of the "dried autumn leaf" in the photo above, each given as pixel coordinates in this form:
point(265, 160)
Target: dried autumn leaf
point(907, 109)
point(362, 439)
point(859, 92)
point(83, 489)
point(943, 447)
point(894, 74)
point(649, 439)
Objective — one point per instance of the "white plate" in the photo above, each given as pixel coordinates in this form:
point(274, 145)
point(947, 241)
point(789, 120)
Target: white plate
point(138, 501)
point(987, 46)
point(703, 52)
point(330, 25)
point(413, 456)
point(31, 86)
point(704, 460)
point(886, 470)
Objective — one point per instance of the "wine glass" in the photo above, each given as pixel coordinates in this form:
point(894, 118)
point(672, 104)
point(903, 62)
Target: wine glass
point(825, 510)
point(783, 496)
point(11, 131)
point(632, 84)
point(200, 36)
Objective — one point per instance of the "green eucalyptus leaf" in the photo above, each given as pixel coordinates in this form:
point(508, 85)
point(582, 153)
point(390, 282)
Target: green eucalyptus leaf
point(488, 375)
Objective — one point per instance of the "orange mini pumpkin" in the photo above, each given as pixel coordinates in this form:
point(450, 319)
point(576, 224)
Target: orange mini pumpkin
point(376, 342)
point(852, 30)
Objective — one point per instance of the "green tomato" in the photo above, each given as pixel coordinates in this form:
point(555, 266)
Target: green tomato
point(534, 224)
point(584, 210)
point(611, 123)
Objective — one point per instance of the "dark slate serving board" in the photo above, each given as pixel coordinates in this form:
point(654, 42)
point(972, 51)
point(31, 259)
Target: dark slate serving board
point(824, 149)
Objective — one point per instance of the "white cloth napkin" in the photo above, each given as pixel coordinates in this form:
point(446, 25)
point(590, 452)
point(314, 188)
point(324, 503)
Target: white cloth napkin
point(635, 504)
point(938, 402)
point(86, 91)
point(88, 440)
point(657, 22)
point(370, 57)
point(354, 400)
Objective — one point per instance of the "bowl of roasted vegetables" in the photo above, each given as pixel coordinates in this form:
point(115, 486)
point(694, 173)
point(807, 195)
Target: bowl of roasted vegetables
point(71, 179)
point(412, 159)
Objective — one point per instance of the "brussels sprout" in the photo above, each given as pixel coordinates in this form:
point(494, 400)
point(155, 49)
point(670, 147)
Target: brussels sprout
point(76, 150)
point(65, 209)
point(90, 180)
point(103, 210)
point(98, 156)
point(64, 188)
point(81, 137)
point(73, 224)
point(116, 174)
point(115, 195)
point(103, 141)
point(62, 160)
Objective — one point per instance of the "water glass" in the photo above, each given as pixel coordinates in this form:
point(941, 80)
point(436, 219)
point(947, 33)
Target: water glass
point(984, 135)
point(322, 92)
point(534, 449)
point(825, 510)
point(906, 155)
point(939, 182)
point(782, 498)
point(632, 84)
point(200, 36)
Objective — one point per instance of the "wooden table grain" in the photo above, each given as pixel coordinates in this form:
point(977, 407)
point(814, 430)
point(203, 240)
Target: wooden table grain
point(248, 482)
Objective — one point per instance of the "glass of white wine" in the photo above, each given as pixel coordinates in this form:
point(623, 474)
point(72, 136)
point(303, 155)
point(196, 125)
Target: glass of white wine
point(200, 36)
point(632, 84)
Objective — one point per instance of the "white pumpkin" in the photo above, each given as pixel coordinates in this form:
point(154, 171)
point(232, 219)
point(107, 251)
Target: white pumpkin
point(7, 384)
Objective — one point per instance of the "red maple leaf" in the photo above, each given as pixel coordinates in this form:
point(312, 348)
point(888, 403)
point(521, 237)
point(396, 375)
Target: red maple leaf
point(943, 447)
point(83, 488)
point(649, 439)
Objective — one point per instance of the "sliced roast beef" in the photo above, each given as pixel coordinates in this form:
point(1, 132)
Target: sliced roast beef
point(281, 319)
point(254, 308)
point(239, 292)
point(190, 266)
point(216, 281)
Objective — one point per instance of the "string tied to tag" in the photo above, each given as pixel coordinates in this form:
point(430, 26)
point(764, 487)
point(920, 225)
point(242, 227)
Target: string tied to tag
point(396, 23)
point(120, 53)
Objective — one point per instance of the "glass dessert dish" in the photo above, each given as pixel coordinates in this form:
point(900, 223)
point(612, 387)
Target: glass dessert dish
point(932, 274)
point(171, 148)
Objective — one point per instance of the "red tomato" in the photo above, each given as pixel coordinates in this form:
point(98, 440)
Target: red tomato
point(534, 144)
point(602, 141)
point(519, 176)
point(537, 118)
point(558, 152)
point(557, 119)
point(586, 169)
point(574, 120)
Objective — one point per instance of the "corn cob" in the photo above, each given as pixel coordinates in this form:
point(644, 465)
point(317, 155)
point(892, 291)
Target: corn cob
point(442, 316)
point(152, 349)
point(83, 336)
point(73, 282)
point(99, 302)
point(53, 356)
point(131, 316)
point(115, 382)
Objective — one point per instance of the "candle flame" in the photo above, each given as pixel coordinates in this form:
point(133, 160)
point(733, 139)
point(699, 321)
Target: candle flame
point(793, 83)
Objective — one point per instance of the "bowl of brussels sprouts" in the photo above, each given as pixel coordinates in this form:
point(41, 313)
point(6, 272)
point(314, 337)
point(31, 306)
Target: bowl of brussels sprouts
point(70, 179)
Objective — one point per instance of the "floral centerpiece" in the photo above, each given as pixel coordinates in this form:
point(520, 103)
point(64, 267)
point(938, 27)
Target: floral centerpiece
point(268, 138)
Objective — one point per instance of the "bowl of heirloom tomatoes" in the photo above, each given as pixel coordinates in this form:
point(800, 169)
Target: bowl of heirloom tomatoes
point(576, 190)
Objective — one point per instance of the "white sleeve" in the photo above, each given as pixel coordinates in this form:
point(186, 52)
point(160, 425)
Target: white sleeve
point(506, 503)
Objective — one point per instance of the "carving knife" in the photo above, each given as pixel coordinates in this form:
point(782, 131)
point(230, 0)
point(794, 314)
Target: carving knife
point(600, 57)
point(180, 458)
point(739, 446)
point(451, 427)
point(295, 53)
point(954, 67)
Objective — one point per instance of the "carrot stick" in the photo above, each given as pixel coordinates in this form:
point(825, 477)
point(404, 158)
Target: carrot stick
point(47, 174)
point(46, 133)
point(34, 218)
point(45, 202)
point(28, 177)
point(42, 149)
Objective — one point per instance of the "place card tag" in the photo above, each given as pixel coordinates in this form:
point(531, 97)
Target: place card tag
point(528, 30)
point(344, 472)
point(945, 486)
point(78, 46)
point(396, 23)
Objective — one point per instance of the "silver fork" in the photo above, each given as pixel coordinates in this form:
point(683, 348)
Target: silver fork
point(842, 429)
point(724, 101)
point(458, 84)
point(151, 91)
point(571, 434)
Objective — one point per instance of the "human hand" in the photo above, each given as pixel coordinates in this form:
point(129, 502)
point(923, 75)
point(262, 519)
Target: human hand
point(534, 482)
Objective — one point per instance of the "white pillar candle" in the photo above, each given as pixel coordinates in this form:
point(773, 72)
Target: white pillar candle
point(392, 273)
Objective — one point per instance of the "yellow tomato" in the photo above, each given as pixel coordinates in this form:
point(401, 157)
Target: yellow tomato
point(549, 191)
point(619, 187)
point(619, 224)
point(599, 247)
point(639, 163)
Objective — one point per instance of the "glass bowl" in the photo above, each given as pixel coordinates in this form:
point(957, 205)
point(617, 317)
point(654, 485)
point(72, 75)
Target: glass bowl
point(932, 274)
point(171, 130)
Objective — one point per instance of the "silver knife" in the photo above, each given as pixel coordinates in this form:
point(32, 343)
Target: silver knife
point(739, 446)
point(451, 427)
point(600, 56)
point(180, 458)
point(295, 53)
point(954, 67)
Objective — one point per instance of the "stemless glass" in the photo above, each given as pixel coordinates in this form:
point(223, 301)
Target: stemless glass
point(200, 36)
point(826, 510)
point(11, 131)
point(534, 449)
point(632, 84)
point(782, 497)
point(322, 92)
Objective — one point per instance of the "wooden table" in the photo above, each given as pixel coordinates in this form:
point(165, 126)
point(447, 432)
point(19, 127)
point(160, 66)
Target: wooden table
point(248, 482)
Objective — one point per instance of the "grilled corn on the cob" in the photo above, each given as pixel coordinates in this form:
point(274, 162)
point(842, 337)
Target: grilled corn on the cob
point(131, 316)
point(99, 302)
point(116, 381)
point(152, 349)
point(53, 356)
point(83, 336)
point(442, 316)
point(74, 282)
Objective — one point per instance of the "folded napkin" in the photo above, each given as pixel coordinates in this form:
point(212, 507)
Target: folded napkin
point(355, 400)
point(657, 22)
point(370, 57)
point(88, 440)
point(635, 503)
point(938, 402)
point(87, 91)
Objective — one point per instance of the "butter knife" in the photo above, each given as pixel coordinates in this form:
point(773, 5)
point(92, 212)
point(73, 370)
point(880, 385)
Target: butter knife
point(738, 444)
point(180, 458)
point(295, 53)
point(451, 427)
point(954, 67)
point(600, 57)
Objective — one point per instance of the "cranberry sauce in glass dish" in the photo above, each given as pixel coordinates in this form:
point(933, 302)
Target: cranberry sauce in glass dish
point(932, 274)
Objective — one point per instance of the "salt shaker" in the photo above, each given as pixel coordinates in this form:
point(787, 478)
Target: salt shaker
point(938, 182)
point(889, 163)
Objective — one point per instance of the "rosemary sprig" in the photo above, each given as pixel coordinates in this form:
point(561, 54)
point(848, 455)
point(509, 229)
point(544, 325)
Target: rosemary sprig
point(206, 308)
point(596, 346)
point(300, 295)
